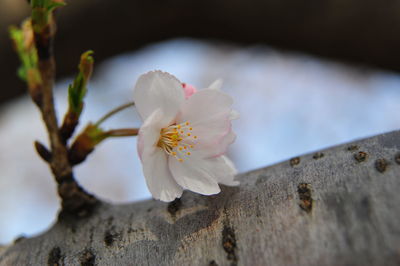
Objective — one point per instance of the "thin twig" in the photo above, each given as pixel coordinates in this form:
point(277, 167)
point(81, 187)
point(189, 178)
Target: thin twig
point(113, 112)
point(123, 132)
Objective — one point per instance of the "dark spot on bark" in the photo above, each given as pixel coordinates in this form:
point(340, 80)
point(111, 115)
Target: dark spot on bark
point(381, 165)
point(73, 228)
point(55, 257)
point(261, 179)
point(318, 155)
point(88, 258)
point(294, 161)
point(361, 156)
point(131, 230)
point(174, 206)
point(363, 209)
point(306, 201)
point(149, 209)
point(352, 148)
point(229, 244)
point(110, 220)
point(397, 158)
point(110, 236)
point(213, 263)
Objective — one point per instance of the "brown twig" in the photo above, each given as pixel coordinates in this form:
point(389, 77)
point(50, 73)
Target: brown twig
point(122, 132)
point(91, 136)
point(59, 163)
point(74, 199)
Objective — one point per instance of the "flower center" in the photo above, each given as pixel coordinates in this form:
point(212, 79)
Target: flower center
point(177, 140)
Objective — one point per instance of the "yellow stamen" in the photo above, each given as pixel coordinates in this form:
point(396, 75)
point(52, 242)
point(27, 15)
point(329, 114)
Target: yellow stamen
point(173, 139)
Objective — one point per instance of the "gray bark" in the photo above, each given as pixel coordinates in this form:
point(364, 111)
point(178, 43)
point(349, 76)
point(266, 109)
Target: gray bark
point(339, 206)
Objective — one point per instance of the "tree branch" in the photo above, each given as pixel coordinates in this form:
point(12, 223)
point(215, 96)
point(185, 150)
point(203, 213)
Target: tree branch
point(72, 195)
point(328, 208)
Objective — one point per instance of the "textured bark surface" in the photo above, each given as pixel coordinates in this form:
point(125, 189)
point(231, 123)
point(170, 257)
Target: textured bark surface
point(339, 206)
point(363, 31)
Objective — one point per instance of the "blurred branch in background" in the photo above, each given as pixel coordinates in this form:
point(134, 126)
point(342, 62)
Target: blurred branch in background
point(362, 31)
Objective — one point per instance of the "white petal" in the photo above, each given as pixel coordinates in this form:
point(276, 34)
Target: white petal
point(155, 166)
point(194, 174)
point(155, 90)
point(216, 85)
point(158, 177)
point(149, 133)
point(225, 171)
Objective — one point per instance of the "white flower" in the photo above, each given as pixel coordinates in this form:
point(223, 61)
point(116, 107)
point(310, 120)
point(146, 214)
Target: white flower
point(184, 136)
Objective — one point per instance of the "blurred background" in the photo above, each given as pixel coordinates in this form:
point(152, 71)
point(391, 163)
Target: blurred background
point(304, 75)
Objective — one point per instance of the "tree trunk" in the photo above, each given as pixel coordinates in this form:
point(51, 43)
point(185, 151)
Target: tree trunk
point(335, 207)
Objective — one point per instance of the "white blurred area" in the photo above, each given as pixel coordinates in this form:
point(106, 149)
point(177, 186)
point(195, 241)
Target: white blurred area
point(290, 104)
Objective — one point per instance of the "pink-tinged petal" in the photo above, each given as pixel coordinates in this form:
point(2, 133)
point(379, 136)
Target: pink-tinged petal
point(195, 174)
point(159, 180)
point(221, 146)
point(189, 90)
point(225, 171)
point(209, 115)
point(203, 105)
point(216, 85)
point(155, 90)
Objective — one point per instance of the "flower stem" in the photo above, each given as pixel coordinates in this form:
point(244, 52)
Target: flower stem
point(113, 112)
point(92, 136)
point(122, 132)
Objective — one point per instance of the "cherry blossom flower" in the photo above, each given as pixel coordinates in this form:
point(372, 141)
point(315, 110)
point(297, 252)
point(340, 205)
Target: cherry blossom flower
point(184, 136)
